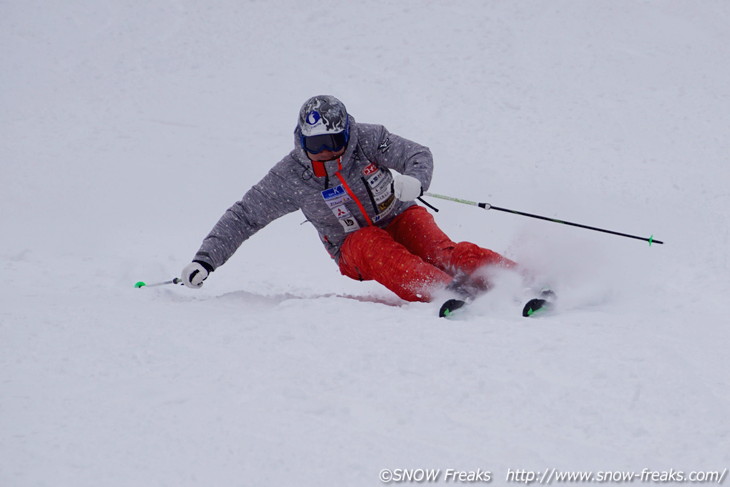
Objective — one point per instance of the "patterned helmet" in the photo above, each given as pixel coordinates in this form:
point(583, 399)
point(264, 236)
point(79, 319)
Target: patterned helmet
point(322, 114)
point(323, 125)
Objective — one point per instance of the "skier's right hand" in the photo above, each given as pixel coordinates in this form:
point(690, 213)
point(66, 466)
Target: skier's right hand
point(194, 274)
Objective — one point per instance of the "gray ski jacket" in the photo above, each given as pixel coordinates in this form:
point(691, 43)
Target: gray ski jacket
point(344, 196)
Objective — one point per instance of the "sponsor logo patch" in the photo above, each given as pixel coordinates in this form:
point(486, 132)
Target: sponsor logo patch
point(331, 193)
point(371, 169)
point(349, 224)
point(381, 192)
point(385, 145)
point(335, 198)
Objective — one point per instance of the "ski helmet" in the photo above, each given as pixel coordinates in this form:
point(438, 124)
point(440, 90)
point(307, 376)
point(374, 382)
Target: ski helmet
point(323, 124)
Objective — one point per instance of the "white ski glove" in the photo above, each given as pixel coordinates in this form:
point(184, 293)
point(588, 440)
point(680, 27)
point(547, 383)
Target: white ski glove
point(194, 274)
point(406, 188)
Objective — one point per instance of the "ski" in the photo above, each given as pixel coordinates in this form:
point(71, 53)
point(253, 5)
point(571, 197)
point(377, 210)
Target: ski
point(540, 305)
point(534, 307)
point(448, 308)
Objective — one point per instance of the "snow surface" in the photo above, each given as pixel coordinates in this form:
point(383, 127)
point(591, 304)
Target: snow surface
point(128, 127)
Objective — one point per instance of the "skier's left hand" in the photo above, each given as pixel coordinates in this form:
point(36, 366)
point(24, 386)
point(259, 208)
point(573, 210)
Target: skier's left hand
point(406, 188)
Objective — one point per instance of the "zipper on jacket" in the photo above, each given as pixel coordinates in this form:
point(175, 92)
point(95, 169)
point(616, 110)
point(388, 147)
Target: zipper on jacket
point(351, 193)
point(371, 195)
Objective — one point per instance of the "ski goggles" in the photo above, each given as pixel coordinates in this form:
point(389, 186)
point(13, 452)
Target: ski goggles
point(315, 144)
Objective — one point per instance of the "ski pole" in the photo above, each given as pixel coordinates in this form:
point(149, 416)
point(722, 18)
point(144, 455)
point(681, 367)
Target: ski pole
point(177, 280)
point(487, 206)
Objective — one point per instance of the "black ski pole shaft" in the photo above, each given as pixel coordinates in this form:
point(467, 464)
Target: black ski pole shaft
point(176, 280)
point(487, 206)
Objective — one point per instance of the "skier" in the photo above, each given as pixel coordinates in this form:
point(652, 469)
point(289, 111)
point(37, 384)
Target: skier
point(356, 183)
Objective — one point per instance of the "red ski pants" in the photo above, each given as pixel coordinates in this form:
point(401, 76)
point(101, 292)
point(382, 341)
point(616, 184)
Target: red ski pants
point(412, 256)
